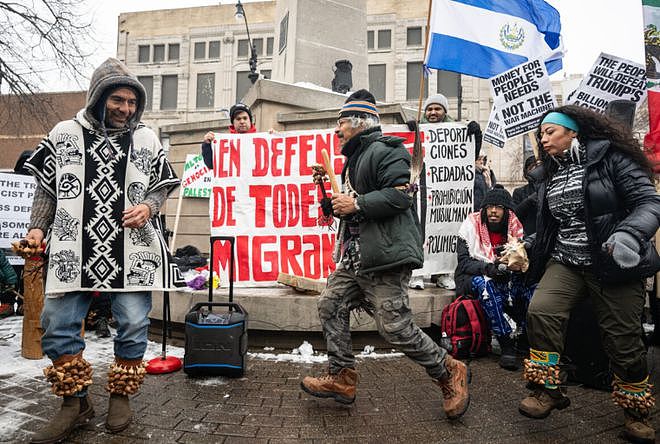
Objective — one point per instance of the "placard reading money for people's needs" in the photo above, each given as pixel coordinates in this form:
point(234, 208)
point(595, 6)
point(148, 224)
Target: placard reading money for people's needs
point(521, 95)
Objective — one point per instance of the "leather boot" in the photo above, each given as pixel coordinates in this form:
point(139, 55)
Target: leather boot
point(119, 413)
point(455, 388)
point(637, 427)
point(542, 401)
point(508, 355)
point(124, 378)
point(340, 386)
point(74, 412)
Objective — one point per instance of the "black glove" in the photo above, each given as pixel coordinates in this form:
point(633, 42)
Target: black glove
point(326, 206)
point(497, 271)
point(412, 125)
point(473, 129)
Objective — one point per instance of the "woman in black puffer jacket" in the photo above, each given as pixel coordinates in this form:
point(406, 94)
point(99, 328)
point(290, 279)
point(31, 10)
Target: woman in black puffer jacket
point(598, 209)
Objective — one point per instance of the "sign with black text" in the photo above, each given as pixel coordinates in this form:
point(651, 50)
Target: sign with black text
point(16, 194)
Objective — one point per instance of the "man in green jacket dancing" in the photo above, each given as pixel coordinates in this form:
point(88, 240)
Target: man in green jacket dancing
point(378, 245)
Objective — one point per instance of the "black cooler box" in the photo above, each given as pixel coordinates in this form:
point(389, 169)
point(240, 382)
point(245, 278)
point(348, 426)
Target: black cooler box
point(216, 340)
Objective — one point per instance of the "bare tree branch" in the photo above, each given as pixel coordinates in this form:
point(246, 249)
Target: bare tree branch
point(38, 37)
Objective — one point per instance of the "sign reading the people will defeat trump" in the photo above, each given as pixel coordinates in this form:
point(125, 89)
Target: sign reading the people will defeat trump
point(16, 194)
point(520, 96)
point(263, 195)
point(610, 78)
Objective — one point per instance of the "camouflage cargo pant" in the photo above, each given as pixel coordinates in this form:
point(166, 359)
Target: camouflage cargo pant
point(384, 296)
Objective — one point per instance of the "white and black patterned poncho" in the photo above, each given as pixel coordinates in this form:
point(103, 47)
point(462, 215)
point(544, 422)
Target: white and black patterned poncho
point(93, 182)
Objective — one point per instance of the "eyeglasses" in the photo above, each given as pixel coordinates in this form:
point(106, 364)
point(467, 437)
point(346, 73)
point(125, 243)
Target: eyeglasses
point(501, 207)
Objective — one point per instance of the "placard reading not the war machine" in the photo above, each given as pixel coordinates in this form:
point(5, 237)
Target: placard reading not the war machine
point(520, 96)
point(610, 78)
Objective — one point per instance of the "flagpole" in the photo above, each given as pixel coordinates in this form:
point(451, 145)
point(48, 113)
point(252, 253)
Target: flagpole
point(421, 77)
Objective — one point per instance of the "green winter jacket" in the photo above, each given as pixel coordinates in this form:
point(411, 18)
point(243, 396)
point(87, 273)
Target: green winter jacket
point(7, 274)
point(389, 230)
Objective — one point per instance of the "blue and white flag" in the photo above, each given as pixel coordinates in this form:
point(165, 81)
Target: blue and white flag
point(483, 38)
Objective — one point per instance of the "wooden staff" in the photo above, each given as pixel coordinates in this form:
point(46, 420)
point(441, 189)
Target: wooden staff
point(33, 304)
point(330, 171)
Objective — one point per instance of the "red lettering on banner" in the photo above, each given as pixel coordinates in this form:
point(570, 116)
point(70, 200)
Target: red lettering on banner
point(260, 193)
point(279, 206)
point(307, 191)
point(291, 248)
point(289, 151)
point(260, 157)
point(305, 142)
point(227, 158)
point(269, 257)
point(309, 255)
point(274, 169)
point(223, 207)
point(312, 257)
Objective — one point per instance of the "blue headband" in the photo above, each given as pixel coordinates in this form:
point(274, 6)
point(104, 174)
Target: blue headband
point(561, 119)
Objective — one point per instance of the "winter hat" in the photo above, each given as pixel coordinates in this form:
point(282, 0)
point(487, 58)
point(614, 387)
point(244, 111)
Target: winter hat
point(360, 104)
point(439, 99)
point(237, 108)
point(498, 195)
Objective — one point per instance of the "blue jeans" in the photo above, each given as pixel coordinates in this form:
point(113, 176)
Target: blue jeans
point(62, 319)
point(511, 296)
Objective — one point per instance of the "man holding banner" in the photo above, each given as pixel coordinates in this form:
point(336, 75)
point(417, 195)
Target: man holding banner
point(242, 122)
point(378, 244)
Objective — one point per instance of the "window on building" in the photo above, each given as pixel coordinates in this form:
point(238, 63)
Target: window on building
point(258, 46)
point(143, 53)
point(148, 83)
point(284, 30)
point(377, 84)
point(205, 90)
point(214, 49)
point(267, 73)
point(414, 36)
point(243, 48)
point(243, 83)
point(413, 76)
point(173, 52)
point(370, 40)
point(384, 39)
point(448, 83)
point(169, 90)
point(269, 46)
point(200, 50)
point(159, 53)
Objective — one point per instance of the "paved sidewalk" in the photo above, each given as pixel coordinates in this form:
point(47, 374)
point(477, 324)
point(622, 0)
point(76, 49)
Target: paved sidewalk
point(396, 402)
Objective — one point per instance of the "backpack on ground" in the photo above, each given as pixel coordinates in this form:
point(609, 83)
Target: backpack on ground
point(465, 327)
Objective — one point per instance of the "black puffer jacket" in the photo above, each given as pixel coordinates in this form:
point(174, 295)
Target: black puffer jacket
point(618, 196)
point(389, 230)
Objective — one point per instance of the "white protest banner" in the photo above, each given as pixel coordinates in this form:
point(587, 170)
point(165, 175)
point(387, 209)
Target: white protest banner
point(494, 133)
point(449, 165)
point(16, 194)
point(610, 78)
point(521, 95)
point(196, 181)
point(263, 195)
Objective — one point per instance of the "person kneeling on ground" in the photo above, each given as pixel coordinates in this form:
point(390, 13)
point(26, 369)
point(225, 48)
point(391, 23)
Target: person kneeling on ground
point(480, 273)
point(378, 244)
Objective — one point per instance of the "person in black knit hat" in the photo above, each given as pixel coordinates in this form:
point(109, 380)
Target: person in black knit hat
point(480, 273)
point(242, 121)
point(378, 244)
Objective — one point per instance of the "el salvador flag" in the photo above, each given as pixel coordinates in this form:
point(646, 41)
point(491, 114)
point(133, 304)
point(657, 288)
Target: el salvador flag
point(483, 38)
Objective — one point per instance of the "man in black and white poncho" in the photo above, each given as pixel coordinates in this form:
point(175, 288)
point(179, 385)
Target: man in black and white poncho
point(102, 178)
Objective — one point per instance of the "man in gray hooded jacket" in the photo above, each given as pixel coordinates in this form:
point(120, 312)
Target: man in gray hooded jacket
point(101, 179)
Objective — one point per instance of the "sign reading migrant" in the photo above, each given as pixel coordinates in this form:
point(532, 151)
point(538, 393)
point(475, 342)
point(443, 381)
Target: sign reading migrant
point(16, 194)
point(196, 181)
point(262, 193)
point(521, 95)
point(610, 78)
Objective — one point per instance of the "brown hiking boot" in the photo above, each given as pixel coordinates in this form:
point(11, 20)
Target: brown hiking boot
point(119, 413)
point(341, 386)
point(637, 427)
point(74, 412)
point(542, 401)
point(455, 388)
